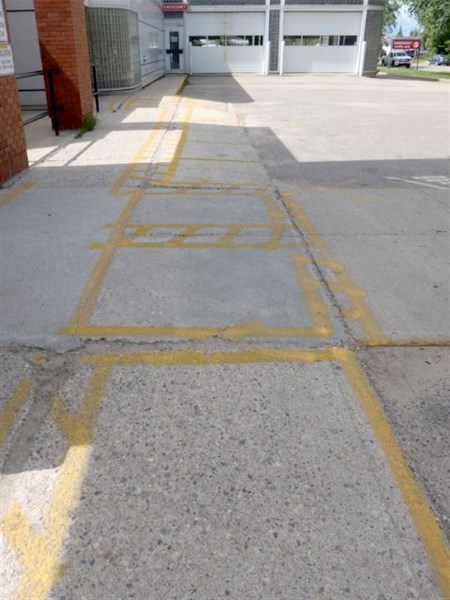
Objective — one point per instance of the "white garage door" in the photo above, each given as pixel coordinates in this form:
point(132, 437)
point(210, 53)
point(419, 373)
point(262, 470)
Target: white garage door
point(225, 42)
point(321, 42)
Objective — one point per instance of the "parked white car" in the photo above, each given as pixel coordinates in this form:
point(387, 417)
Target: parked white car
point(396, 58)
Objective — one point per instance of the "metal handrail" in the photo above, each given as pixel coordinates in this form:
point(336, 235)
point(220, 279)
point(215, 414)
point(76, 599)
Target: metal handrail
point(51, 88)
point(53, 113)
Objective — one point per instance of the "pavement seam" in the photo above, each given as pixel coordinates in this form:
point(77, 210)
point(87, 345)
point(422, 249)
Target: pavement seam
point(321, 277)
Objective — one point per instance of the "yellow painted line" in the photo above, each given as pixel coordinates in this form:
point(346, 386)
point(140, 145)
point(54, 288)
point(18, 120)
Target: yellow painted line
point(133, 232)
point(199, 357)
point(247, 329)
point(227, 239)
point(310, 287)
point(277, 235)
point(358, 311)
point(275, 212)
point(39, 359)
point(88, 298)
point(269, 246)
point(11, 408)
point(39, 550)
point(139, 156)
point(178, 239)
point(11, 195)
point(180, 147)
point(432, 536)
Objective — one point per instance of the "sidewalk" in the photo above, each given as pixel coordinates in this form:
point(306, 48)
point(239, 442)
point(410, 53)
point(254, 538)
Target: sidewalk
point(184, 415)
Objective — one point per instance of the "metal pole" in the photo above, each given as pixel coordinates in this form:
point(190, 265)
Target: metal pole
point(360, 58)
point(53, 107)
point(94, 81)
point(266, 38)
point(281, 38)
point(283, 44)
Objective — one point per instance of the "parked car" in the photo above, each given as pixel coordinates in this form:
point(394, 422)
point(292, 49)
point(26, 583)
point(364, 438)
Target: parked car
point(396, 58)
point(439, 59)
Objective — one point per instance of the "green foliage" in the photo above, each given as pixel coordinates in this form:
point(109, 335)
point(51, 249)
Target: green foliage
point(391, 9)
point(434, 16)
point(411, 73)
point(88, 124)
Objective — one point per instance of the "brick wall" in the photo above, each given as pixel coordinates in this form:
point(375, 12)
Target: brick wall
point(63, 44)
point(13, 154)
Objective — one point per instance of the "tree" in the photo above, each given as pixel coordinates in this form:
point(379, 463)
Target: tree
point(391, 9)
point(434, 16)
point(399, 32)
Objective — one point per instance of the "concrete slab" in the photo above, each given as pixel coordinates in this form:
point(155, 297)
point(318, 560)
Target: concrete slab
point(207, 206)
point(46, 260)
point(201, 288)
point(408, 293)
point(235, 481)
point(216, 172)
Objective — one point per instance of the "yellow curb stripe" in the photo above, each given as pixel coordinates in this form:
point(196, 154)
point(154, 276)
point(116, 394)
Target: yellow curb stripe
point(424, 519)
point(11, 195)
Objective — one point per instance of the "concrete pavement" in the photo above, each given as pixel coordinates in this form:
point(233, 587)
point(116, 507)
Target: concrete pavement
point(225, 348)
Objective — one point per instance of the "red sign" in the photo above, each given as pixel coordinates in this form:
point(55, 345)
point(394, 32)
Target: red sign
point(406, 44)
point(174, 6)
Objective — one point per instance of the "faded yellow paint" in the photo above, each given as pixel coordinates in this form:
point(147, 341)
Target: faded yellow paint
point(199, 357)
point(249, 329)
point(310, 286)
point(275, 212)
point(11, 408)
point(425, 522)
point(358, 309)
point(179, 239)
point(171, 171)
point(205, 184)
point(4, 200)
point(135, 164)
point(39, 359)
point(39, 552)
point(86, 303)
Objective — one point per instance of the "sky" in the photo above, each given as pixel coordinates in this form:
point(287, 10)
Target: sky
point(405, 21)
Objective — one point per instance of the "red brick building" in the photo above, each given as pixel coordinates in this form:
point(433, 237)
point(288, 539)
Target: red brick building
point(63, 46)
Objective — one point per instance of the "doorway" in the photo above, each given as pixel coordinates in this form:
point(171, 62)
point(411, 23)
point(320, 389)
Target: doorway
point(174, 48)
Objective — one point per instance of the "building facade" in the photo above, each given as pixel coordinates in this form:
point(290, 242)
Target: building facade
point(273, 36)
point(126, 42)
point(134, 42)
